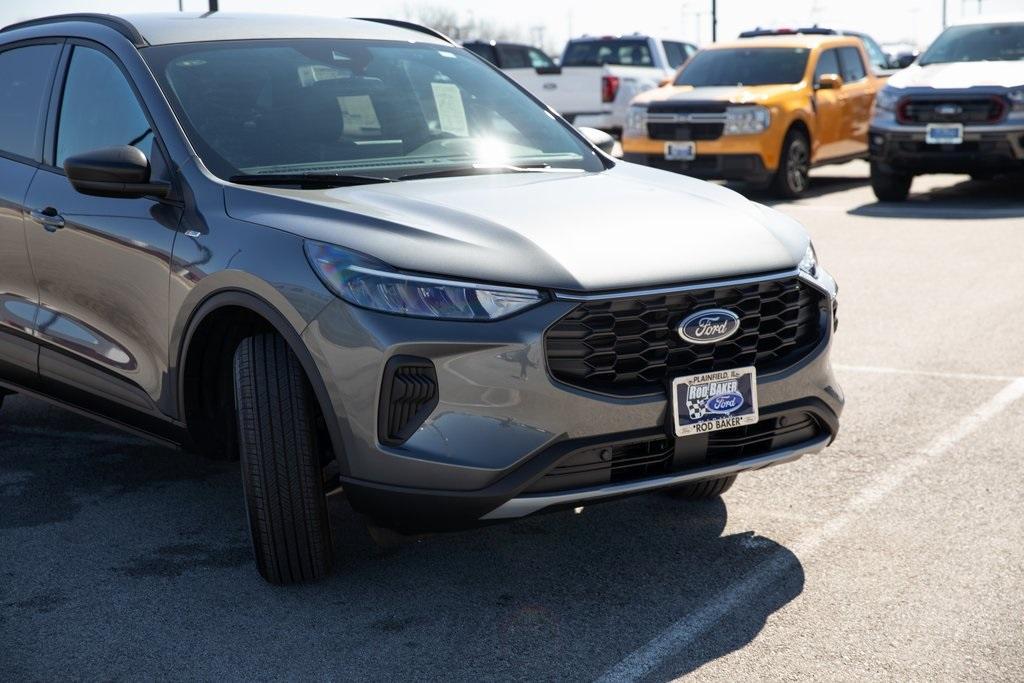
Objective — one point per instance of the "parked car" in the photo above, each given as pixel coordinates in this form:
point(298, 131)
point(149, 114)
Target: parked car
point(882, 64)
point(597, 77)
point(355, 256)
point(958, 109)
point(901, 55)
point(762, 110)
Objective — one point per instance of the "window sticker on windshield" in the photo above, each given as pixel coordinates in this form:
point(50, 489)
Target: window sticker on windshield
point(451, 114)
point(358, 115)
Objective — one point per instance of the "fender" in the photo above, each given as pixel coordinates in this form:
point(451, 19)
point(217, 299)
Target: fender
point(279, 322)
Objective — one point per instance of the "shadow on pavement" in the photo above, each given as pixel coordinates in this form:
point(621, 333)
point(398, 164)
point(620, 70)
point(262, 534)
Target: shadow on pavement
point(130, 559)
point(1000, 197)
point(821, 186)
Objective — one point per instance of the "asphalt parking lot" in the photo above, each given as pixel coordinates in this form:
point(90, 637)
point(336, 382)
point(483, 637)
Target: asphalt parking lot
point(898, 553)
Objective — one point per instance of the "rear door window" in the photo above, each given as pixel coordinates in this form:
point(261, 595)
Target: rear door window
point(676, 53)
point(852, 64)
point(539, 60)
point(513, 57)
point(26, 74)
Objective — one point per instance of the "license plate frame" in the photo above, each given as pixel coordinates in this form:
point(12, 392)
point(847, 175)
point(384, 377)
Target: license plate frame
point(703, 403)
point(944, 134)
point(681, 150)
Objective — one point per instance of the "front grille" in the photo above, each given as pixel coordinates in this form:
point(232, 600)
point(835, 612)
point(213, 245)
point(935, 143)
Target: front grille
point(961, 110)
point(689, 121)
point(684, 131)
point(654, 457)
point(629, 346)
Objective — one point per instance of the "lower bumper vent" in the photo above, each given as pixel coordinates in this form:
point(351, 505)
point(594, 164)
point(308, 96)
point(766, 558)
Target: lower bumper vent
point(408, 395)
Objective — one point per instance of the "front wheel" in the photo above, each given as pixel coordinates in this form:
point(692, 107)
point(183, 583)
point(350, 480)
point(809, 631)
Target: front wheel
point(702, 490)
point(281, 471)
point(793, 175)
point(889, 186)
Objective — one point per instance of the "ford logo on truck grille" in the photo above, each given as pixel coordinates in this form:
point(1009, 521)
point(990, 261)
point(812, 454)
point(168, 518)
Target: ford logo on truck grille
point(709, 326)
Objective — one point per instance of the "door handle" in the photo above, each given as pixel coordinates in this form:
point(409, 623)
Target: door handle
point(49, 218)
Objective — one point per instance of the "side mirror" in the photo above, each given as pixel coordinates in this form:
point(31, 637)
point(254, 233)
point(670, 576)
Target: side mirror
point(113, 172)
point(599, 139)
point(552, 70)
point(830, 82)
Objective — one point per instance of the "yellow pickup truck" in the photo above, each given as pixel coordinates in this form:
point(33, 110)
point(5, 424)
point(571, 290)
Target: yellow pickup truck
point(763, 110)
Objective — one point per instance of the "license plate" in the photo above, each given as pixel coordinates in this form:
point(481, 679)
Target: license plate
point(712, 401)
point(680, 151)
point(944, 133)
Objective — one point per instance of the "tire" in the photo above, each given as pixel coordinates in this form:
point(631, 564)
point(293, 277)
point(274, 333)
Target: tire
point(982, 176)
point(792, 177)
point(702, 490)
point(889, 186)
point(281, 473)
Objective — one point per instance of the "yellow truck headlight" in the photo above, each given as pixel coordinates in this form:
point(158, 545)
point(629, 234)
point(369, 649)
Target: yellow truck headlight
point(747, 119)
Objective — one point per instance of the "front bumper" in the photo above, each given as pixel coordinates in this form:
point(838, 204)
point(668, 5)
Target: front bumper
point(985, 149)
point(502, 422)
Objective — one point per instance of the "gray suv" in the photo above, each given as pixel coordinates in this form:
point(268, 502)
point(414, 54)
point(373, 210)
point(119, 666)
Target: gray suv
point(361, 259)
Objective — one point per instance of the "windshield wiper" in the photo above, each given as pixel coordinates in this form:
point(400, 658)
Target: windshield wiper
point(307, 181)
point(481, 170)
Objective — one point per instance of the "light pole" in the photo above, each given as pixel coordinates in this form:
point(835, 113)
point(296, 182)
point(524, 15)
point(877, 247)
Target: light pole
point(714, 21)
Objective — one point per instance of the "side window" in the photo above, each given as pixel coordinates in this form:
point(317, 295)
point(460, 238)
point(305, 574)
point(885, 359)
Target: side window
point(485, 51)
point(25, 77)
point(99, 108)
point(513, 57)
point(539, 60)
point(828, 63)
point(853, 65)
point(676, 53)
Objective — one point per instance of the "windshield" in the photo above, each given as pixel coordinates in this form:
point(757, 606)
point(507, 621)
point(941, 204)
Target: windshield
point(744, 66)
point(356, 107)
point(977, 43)
point(634, 52)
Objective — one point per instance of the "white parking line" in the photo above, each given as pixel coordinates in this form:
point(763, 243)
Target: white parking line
point(924, 373)
point(692, 627)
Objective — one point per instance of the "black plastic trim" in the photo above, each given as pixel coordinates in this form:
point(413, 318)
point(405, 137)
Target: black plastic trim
point(386, 406)
point(122, 26)
point(411, 26)
point(423, 510)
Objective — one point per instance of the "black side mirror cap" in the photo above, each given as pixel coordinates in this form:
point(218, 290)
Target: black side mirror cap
point(121, 172)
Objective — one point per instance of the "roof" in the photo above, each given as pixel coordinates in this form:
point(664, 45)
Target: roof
point(788, 40)
point(191, 27)
point(1013, 18)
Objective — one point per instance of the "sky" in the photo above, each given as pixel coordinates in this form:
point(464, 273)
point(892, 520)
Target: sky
point(888, 20)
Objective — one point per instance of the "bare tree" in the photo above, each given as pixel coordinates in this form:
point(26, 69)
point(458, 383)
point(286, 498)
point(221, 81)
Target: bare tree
point(461, 27)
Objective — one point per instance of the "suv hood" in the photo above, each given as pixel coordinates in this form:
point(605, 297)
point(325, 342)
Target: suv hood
point(737, 94)
point(629, 226)
point(960, 75)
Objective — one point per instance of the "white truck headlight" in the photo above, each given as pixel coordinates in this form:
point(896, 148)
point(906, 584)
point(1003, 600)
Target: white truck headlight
point(747, 119)
point(886, 99)
point(636, 122)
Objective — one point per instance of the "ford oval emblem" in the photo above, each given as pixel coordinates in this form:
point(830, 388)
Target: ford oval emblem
point(725, 404)
point(708, 327)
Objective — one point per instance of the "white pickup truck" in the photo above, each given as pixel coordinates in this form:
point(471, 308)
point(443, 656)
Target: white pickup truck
point(597, 77)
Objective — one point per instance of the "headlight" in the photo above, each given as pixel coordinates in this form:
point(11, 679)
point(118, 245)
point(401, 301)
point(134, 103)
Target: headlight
point(369, 283)
point(809, 263)
point(886, 99)
point(636, 122)
point(1016, 98)
point(745, 120)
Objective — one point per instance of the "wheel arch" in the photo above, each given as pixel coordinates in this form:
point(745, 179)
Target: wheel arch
point(252, 312)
